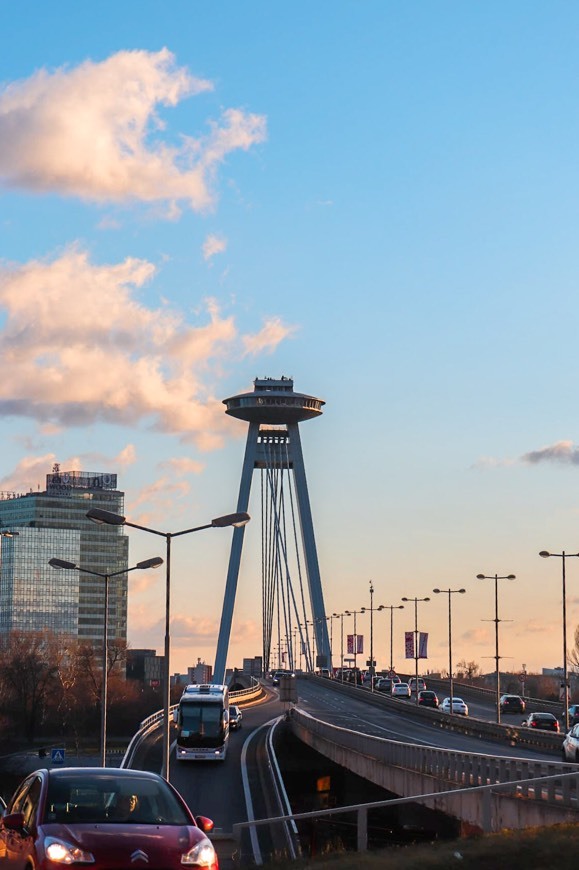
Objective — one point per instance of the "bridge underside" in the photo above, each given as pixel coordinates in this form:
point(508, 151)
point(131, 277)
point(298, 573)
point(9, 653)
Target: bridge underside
point(492, 812)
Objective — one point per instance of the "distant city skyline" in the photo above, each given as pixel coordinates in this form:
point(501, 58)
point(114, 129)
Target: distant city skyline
point(377, 200)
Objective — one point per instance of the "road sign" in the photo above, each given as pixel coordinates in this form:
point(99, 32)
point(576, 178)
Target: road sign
point(522, 678)
point(57, 756)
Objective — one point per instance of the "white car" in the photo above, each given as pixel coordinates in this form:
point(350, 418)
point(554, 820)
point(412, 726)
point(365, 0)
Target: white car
point(571, 745)
point(400, 690)
point(458, 706)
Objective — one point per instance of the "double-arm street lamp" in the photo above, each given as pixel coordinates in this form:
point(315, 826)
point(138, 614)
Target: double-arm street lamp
point(72, 566)
point(496, 620)
point(450, 593)
point(354, 613)
point(392, 608)
point(545, 555)
point(108, 518)
point(363, 610)
point(341, 617)
point(416, 649)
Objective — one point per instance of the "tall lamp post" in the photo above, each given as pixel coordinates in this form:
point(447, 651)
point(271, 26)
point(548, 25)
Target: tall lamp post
point(450, 593)
point(354, 613)
point(496, 620)
point(341, 615)
point(416, 650)
point(546, 555)
point(392, 608)
point(108, 518)
point(363, 610)
point(72, 566)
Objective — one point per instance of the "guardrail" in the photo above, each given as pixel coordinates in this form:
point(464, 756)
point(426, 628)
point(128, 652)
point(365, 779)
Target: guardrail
point(512, 734)
point(538, 704)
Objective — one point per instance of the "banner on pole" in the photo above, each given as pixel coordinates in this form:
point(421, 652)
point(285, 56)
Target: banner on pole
point(409, 644)
point(359, 643)
point(423, 645)
point(350, 643)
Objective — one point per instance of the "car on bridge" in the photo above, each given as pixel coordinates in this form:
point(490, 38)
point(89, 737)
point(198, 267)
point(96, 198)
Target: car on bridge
point(544, 721)
point(412, 684)
point(428, 698)
point(401, 690)
point(235, 717)
point(574, 714)
point(102, 817)
point(458, 706)
point(570, 749)
point(511, 704)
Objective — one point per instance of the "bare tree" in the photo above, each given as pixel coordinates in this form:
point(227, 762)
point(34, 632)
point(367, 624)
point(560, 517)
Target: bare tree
point(29, 681)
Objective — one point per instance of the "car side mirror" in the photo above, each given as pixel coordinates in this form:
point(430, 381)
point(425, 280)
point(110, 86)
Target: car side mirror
point(205, 824)
point(13, 821)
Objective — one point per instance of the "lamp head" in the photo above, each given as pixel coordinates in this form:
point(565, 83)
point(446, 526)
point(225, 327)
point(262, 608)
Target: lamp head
point(150, 563)
point(436, 590)
point(462, 591)
point(101, 517)
point(238, 520)
point(512, 577)
point(544, 554)
point(405, 599)
point(480, 577)
point(61, 563)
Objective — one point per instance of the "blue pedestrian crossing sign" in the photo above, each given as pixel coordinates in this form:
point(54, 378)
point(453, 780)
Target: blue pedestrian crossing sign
point(57, 756)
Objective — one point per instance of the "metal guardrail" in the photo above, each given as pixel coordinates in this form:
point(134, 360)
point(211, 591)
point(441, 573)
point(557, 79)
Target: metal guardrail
point(558, 784)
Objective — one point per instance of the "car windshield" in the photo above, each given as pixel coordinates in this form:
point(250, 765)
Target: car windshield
point(102, 797)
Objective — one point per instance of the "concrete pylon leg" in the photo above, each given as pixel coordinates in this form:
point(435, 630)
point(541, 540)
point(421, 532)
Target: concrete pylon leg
point(235, 556)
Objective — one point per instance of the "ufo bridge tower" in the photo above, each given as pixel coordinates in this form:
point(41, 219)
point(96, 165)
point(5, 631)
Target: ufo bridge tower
point(290, 623)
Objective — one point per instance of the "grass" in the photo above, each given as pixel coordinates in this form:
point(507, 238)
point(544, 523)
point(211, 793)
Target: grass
point(552, 848)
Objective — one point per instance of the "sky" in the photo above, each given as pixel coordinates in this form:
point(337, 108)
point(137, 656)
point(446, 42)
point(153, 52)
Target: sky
point(377, 199)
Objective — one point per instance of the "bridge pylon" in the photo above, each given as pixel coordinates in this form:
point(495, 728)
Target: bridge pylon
point(274, 412)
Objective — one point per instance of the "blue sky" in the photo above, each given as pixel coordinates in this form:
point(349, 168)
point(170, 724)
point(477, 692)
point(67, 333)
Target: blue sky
point(378, 199)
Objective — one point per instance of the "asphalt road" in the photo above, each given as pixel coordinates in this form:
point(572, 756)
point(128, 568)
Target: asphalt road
point(348, 711)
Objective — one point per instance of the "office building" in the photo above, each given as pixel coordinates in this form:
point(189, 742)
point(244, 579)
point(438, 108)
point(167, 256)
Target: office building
point(53, 523)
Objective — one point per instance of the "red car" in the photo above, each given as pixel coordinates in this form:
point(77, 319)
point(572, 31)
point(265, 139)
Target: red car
point(102, 818)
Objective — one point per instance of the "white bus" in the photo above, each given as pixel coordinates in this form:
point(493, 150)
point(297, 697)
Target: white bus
point(202, 719)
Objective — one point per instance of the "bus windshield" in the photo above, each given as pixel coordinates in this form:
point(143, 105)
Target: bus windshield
point(201, 722)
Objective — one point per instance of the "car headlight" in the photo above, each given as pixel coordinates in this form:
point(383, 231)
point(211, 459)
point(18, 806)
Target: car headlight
point(201, 855)
point(62, 852)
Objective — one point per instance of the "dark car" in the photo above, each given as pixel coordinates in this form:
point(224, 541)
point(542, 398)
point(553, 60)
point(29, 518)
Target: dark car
point(544, 721)
point(235, 717)
point(102, 818)
point(573, 715)
point(512, 704)
point(426, 698)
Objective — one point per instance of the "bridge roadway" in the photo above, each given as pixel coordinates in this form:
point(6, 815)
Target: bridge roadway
point(220, 792)
point(352, 711)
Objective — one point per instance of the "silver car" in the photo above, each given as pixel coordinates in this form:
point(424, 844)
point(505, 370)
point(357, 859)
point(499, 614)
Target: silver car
point(570, 748)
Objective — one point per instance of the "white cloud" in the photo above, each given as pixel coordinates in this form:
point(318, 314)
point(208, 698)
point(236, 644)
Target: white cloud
point(81, 349)
point(94, 132)
point(213, 245)
point(267, 339)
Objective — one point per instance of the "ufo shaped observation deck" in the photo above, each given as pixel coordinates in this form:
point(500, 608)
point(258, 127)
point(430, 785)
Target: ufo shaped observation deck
point(273, 402)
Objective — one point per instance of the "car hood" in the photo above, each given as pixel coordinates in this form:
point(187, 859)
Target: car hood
point(163, 845)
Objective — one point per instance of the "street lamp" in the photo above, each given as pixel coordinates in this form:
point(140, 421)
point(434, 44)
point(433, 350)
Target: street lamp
point(341, 615)
point(72, 566)
point(545, 555)
point(354, 613)
point(416, 650)
point(108, 518)
point(496, 621)
point(363, 610)
point(450, 593)
point(392, 608)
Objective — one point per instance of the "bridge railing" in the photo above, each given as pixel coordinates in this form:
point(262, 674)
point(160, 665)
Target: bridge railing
point(562, 784)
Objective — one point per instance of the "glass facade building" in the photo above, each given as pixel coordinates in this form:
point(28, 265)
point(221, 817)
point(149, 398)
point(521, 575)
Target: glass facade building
point(33, 595)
